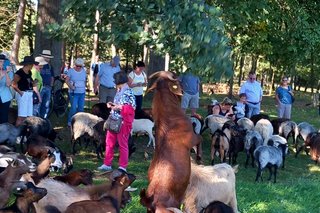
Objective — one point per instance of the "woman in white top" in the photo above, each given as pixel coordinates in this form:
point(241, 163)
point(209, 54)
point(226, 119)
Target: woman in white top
point(138, 80)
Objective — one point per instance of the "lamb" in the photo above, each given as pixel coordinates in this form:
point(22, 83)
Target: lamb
point(144, 125)
point(276, 124)
point(245, 123)
point(108, 202)
point(25, 196)
point(264, 127)
point(84, 123)
point(220, 142)
point(252, 141)
point(75, 178)
point(174, 132)
point(208, 183)
point(258, 117)
point(288, 128)
point(269, 156)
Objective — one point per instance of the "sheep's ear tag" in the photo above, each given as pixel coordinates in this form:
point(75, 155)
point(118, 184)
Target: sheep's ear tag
point(174, 88)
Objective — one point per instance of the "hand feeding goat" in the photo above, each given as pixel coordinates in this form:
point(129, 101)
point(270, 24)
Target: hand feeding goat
point(144, 126)
point(174, 140)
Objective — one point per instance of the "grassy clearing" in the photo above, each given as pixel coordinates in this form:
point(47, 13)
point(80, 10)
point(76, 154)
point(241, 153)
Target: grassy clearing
point(297, 188)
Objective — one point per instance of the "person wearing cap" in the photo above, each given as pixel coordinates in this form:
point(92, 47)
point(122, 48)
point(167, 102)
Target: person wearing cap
point(137, 81)
point(253, 91)
point(104, 82)
point(6, 76)
point(190, 85)
point(36, 76)
point(123, 106)
point(47, 74)
point(24, 87)
point(76, 80)
point(284, 97)
point(224, 108)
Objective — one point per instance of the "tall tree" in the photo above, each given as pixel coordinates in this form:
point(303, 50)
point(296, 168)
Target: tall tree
point(48, 13)
point(18, 32)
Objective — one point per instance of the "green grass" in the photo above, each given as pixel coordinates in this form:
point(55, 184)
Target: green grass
point(297, 188)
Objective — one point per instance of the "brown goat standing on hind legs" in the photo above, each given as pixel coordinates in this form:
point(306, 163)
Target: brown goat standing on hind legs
point(169, 171)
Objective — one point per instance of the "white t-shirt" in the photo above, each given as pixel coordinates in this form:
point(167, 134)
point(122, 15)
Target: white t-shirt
point(142, 78)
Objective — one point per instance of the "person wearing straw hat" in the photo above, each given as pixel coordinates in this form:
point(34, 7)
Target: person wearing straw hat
point(76, 80)
point(104, 82)
point(47, 74)
point(36, 76)
point(24, 86)
point(6, 77)
point(224, 108)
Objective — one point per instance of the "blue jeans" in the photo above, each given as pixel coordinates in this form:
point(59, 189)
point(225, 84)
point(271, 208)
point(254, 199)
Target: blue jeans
point(45, 104)
point(254, 109)
point(77, 104)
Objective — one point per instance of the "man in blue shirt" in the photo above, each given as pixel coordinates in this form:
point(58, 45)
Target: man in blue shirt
point(190, 86)
point(47, 75)
point(104, 82)
point(253, 91)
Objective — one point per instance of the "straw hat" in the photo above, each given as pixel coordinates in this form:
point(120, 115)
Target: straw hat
point(41, 60)
point(46, 54)
point(79, 62)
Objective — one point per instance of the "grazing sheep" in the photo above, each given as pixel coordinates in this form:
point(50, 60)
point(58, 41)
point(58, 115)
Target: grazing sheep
point(84, 123)
point(252, 141)
point(264, 127)
point(245, 123)
point(276, 124)
point(313, 140)
point(276, 140)
point(288, 128)
point(25, 196)
point(214, 122)
point(304, 130)
point(269, 156)
point(256, 118)
point(208, 183)
point(236, 141)
point(169, 171)
point(144, 126)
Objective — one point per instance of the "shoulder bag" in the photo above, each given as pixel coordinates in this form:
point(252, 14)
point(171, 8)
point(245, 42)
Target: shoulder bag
point(113, 124)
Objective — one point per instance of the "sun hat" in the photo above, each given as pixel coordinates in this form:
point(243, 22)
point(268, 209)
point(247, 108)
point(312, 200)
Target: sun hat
point(120, 78)
point(140, 64)
point(27, 60)
point(79, 62)
point(46, 54)
point(41, 60)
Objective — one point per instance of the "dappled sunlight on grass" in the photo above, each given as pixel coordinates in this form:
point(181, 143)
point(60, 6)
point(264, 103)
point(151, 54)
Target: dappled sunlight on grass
point(314, 168)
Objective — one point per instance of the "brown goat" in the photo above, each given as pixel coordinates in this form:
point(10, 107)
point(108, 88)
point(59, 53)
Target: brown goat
point(313, 140)
point(109, 202)
point(26, 195)
point(12, 173)
point(75, 178)
point(169, 171)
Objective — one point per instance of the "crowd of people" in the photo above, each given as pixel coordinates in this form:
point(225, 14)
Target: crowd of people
point(31, 86)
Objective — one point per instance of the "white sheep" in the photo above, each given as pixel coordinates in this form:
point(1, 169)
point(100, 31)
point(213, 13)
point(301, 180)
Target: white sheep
point(265, 128)
point(276, 141)
point(144, 126)
point(305, 129)
point(246, 123)
point(209, 183)
point(252, 141)
point(288, 128)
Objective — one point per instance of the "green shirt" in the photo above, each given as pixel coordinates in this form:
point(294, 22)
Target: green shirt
point(36, 75)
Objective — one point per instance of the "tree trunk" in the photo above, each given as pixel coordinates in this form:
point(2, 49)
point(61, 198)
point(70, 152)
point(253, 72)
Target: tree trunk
point(254, 62)
point(48, 12)
point(156, 63)
point(18, 32)
point(241, 70)
point(94, 58)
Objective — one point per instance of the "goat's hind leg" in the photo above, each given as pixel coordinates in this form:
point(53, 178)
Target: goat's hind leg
point(259, 173)
point(270, 171)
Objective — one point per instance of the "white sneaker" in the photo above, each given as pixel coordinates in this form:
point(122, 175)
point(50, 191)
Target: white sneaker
point(122, 169)
point(104, 167)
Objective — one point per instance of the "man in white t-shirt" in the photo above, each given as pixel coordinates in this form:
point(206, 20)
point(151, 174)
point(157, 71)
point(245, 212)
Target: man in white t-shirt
point(253, 91)
point(137, 81)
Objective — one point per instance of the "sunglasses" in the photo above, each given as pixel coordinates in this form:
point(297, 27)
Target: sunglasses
point(252, 78)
